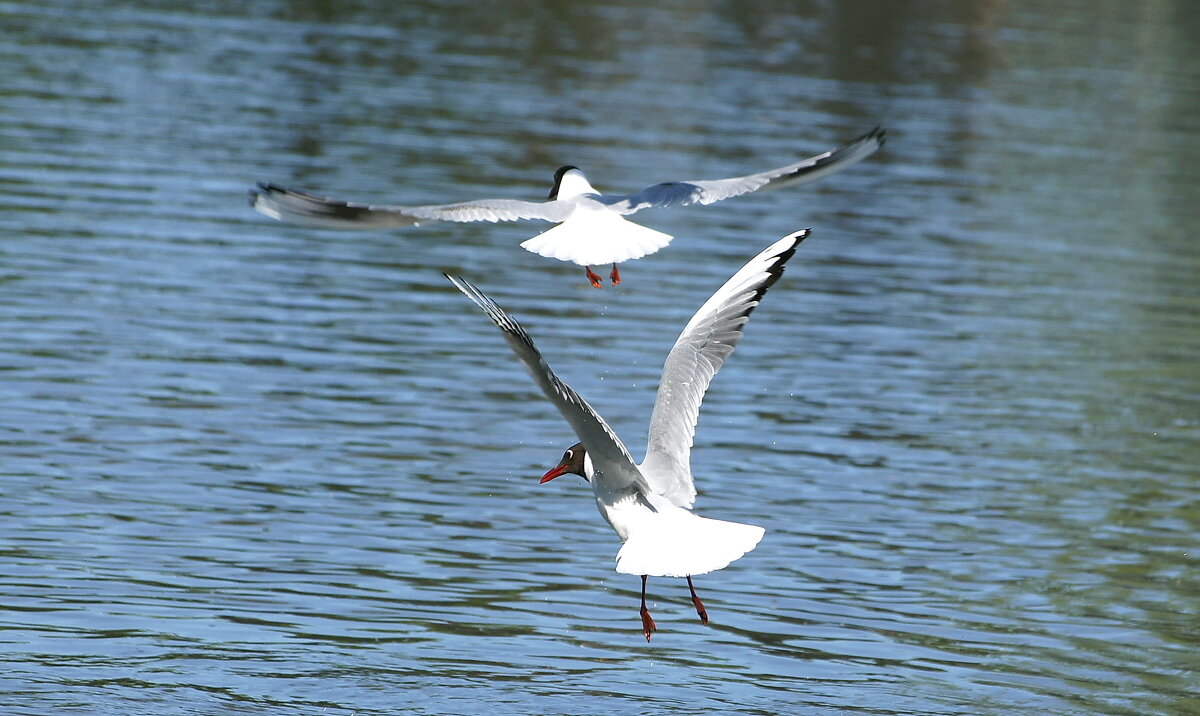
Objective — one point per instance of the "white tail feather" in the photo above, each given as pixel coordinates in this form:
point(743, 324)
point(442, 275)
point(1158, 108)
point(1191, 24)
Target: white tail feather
point(686, 545)
point(596, 238)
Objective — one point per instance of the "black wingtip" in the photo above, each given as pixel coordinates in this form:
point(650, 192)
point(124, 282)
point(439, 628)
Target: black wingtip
point(786, 255)
point(781, 259)
point(263, 190)
point(798, 238)
point(463, 285)
point(878, 135)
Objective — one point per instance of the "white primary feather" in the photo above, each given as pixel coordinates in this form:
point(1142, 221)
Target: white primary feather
point(700, 351)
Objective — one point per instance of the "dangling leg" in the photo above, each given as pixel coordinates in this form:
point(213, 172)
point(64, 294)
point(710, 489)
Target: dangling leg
point(615, 276)
point(593, 277)
point(648, 627)
point(697, 603)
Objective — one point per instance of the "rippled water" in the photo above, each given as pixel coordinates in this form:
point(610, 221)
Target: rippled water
point(251, 468)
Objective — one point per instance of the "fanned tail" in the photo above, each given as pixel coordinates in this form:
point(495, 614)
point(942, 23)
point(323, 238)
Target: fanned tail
point(597, 238)
point(686, 545)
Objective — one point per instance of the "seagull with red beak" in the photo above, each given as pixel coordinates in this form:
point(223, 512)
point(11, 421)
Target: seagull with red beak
point(649, 504)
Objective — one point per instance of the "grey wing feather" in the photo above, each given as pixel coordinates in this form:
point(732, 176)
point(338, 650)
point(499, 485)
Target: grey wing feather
point(299, 207)
point(712, 190)
point(601, 442)
point(698, 354)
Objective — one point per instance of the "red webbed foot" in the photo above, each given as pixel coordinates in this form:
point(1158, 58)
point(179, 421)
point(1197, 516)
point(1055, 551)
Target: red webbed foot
point(595, 279)
point(648, 627)
point(700, 610)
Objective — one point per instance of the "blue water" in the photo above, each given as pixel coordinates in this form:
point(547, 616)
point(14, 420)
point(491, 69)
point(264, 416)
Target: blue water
point(249, 468)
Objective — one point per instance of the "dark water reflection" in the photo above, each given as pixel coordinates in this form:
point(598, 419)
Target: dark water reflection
point(250, 468)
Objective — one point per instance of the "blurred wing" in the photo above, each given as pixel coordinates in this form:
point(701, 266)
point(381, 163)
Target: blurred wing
point(709, 191)
point(298, 207)
point(602, 444)
point(698, 354)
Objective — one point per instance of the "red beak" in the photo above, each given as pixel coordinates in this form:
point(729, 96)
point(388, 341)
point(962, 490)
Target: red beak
point(554, 472)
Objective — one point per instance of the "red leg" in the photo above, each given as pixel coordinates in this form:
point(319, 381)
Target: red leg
point(593, 277)
point(697, 603)
point(615, 276)
point(648, 627)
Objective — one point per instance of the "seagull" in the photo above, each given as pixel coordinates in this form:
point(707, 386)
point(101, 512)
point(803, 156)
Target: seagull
point(649, 505)
point(591, 227)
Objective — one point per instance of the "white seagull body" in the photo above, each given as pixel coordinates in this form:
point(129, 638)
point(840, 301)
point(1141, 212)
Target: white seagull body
point(591, 227)
point(648, 504)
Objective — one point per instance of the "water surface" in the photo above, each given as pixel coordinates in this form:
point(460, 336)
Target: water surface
point(257, 469)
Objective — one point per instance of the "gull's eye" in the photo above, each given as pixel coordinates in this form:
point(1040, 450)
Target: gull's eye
point(567, 455)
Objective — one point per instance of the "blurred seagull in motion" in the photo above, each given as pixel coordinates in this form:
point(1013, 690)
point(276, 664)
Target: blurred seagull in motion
point(591, 227)
point(649, 505)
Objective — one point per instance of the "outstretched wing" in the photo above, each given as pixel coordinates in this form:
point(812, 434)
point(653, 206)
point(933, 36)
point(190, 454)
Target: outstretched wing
point(707, 191)
point(299, 207)
point(602, 444)
point(698, 354)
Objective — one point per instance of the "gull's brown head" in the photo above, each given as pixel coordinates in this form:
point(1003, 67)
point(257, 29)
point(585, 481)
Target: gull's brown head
point(574, 461)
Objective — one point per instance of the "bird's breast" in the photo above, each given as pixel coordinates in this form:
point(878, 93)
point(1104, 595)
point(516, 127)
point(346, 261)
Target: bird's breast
point(625, 509)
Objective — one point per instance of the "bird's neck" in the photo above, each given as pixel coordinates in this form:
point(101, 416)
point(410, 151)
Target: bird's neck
point(574, 184)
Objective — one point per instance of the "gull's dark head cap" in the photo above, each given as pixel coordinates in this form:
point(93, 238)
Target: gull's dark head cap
point(574, 461)
point(558, 177)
